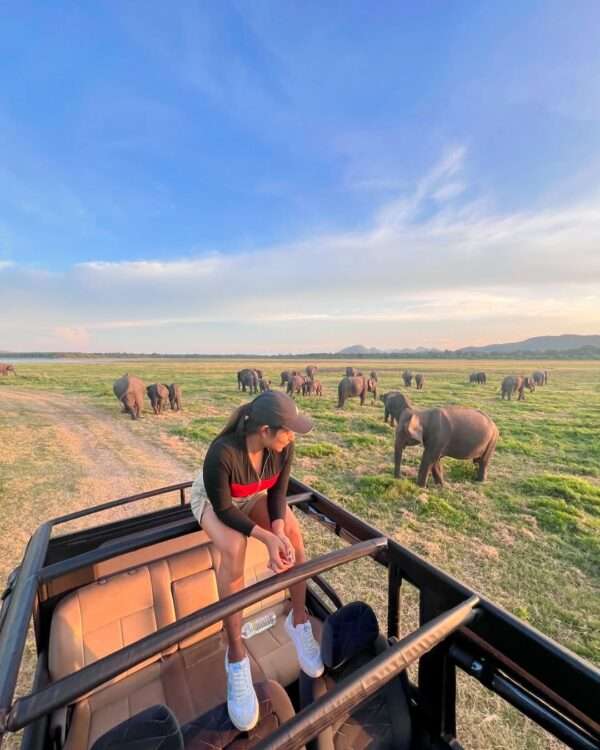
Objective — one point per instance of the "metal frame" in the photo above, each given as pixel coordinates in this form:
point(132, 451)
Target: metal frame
point(546, 682)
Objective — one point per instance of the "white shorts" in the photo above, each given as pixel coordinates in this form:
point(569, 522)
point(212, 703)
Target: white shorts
point(199, 500)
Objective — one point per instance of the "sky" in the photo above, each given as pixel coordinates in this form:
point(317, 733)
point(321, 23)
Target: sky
point(220, 176)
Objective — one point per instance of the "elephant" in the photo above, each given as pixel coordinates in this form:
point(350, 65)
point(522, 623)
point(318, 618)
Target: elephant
point(311, 371)
point(545, 377)
point(264, 384)
point(478, 377)
point(373, 375)
point(158, 393)
point(454, 431)
point(6, 368)
point(540, 377)
point(286, 375)
point(351, 372)
point(312, 387)
point(350, 387)
point(419, 381)
point(407, 377)
point(130, 391)
point(175, 396)
point(248, 378)
point(516, 384)
point(296, 384)
point(394, 403)
point(372, 386)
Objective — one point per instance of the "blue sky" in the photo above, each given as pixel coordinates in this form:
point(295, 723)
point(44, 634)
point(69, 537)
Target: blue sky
point(278, 176)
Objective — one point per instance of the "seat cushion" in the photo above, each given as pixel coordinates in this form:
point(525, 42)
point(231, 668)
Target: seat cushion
point(190, 682)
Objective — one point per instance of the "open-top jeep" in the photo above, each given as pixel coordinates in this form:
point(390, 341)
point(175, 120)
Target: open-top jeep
point(127, 621)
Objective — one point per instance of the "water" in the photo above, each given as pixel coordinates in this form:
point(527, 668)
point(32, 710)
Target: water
point(258, 625)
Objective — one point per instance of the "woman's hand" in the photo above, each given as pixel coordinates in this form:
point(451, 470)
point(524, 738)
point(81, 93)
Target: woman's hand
point(278, 528)
point(279, 556)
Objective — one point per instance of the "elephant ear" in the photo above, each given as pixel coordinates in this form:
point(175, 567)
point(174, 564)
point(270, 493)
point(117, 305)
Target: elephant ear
point(414, 428)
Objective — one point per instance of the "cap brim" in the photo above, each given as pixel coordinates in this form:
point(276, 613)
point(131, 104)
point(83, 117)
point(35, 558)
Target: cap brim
point(300, 424)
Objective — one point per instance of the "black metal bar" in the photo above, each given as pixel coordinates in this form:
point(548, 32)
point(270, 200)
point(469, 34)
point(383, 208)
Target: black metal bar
point(351, 692)
point(437, 677)
point(565, 680)
point(64, 691)
point(542, 715)
point(16, 620)
point(328, 590)
point(119, 547)
point(35, 734)
point(394, 600)
point(182, 496)
point(120, 501)
point(528, 703)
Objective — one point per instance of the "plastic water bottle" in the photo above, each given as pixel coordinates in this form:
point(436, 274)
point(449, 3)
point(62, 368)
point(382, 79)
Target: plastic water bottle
point(259, 625)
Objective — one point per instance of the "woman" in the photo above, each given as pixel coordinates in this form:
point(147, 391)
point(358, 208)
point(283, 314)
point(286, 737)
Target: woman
point(241, 493)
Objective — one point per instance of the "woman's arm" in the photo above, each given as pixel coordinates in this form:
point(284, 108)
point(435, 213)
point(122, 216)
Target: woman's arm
point(277, 494)
point(217, 473)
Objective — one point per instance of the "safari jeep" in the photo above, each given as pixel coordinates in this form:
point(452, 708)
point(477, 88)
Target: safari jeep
point(128, 634)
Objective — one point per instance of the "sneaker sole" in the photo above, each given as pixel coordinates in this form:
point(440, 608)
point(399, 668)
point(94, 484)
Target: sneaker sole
point(245, 727)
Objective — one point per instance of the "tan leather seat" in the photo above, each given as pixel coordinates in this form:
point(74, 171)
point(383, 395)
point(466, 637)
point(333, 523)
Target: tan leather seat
point(166, 584)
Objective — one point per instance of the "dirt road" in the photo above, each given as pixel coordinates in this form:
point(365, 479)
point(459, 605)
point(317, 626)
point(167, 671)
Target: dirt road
point(60, 453)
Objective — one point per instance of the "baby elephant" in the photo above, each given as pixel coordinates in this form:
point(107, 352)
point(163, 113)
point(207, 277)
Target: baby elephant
point(174, 396)
point(158, 393)
point(264, 384)
point(516, 384)
point(394, 403)
point(419, 381)
point(452, 431)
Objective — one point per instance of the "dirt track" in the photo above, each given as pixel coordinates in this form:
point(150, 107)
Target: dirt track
point(60, 453)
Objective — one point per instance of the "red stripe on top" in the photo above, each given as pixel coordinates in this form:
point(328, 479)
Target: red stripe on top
point(243, 490)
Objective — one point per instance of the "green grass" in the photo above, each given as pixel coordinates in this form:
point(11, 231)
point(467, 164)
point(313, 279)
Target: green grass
point(528, 538)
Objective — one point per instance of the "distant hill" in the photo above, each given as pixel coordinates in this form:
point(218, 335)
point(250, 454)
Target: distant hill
point(360, 350)
point(566, 342)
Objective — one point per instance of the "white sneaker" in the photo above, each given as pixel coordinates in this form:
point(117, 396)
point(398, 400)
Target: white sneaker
point(307, 648)
point(242, 703)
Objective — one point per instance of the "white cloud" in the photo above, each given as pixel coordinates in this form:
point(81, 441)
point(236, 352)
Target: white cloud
point(432, 268)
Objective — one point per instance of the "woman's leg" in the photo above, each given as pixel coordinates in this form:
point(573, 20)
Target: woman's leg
point(231, 546)
point(260, 515)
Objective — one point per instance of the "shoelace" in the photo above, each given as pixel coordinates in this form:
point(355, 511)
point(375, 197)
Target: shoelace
point(239, 683)
point(308, 641)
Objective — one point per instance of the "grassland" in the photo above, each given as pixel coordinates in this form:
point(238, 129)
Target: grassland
point(529, 538)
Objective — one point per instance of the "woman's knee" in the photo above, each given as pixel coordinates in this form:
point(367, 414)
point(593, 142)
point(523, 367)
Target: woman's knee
point(292, 529)
point(233, 553)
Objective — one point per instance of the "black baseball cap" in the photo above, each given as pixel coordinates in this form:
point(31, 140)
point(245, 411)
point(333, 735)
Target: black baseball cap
point(277, 409)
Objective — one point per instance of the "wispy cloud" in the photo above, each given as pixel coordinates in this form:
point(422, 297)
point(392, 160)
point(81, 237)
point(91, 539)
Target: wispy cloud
point(457, 271)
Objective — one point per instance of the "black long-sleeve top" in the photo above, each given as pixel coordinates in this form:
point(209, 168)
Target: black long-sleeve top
point(229, 475)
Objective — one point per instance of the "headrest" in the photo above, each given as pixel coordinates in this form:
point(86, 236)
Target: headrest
point(347, 632)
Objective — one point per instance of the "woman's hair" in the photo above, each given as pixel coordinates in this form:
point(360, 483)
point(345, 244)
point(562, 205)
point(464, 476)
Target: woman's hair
point(241, 422)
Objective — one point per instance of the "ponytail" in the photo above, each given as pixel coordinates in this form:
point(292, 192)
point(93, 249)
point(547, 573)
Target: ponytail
point(240, 421)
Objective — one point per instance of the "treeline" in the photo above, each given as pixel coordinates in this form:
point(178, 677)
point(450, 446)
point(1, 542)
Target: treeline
point(584, 352)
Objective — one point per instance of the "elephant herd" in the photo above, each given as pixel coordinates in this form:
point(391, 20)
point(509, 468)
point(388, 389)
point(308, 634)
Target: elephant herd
point(512, 384)
point(131, 392)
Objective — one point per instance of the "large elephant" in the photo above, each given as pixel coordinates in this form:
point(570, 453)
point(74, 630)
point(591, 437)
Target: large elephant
point(295, 384)
point(351, 372)
point(350, 387)
point(158, 393)
point(478, 377)
point(130, 391)
point(311, 371)
point(540, 377)
point(248, 378)
point(453, 431)
point(175, 396)
point(407, 378)
point(6, 368)
point(516, 384)
point(394, 403)
point(419, 381)
point(286, 375)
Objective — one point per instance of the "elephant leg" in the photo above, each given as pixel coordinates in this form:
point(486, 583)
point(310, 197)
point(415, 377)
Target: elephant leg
point(398, 448)
point(437, 472)
point(486, 458)
point(427, 462)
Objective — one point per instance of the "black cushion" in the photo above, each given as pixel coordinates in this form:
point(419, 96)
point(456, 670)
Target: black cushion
point(347, 632)
point(155, 728)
